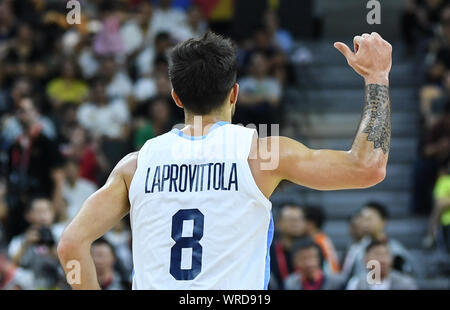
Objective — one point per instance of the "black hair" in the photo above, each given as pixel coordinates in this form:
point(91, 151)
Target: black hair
point(287, 204)
point(304, 243)
point(375, 243)
point(378, 207)
point(162, 36)
point(33, 198)
point(160, 59)
point(316, 215)
point(103, 241)
point(203, 71)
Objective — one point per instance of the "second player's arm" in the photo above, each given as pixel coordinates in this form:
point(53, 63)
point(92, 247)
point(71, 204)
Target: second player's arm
point(364, 165)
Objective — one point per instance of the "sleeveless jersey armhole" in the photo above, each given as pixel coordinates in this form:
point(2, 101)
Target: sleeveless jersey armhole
point(141, 154)
point(251, 134)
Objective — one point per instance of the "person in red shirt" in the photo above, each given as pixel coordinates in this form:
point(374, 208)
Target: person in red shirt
point(307, 259)
point(290, 227)
point(11, 276)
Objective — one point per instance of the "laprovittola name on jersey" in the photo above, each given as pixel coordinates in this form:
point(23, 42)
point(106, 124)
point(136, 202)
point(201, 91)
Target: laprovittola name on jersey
point(192, 178)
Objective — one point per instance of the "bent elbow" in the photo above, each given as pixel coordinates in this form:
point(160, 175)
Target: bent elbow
point(373, 176)
point(67, 246)
point(379, 174)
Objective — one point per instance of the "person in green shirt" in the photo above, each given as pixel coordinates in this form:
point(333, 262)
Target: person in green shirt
point(441, 211)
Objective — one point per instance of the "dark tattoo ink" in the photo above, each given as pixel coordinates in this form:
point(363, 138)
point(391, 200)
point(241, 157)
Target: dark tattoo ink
point(378, 113)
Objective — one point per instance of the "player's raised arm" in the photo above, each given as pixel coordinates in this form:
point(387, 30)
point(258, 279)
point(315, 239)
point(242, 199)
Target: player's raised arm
point(97, 216)
point(365, 164)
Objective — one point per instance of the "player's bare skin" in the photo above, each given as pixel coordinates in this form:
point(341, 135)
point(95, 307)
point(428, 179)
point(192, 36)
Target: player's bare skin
point(364, 165)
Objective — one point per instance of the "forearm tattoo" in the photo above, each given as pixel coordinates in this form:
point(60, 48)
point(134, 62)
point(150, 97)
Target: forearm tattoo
point(377, 116)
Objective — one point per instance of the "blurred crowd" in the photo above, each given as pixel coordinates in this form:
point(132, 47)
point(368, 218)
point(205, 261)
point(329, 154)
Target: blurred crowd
point(303, 256)
point(426, 25)
point(74, 99)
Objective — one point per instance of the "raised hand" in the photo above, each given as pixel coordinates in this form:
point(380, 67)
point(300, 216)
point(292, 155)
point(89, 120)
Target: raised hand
point(371, 58)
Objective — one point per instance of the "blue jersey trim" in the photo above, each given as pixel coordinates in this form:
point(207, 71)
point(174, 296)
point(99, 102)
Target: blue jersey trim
point(269, 243)
point(196, 138)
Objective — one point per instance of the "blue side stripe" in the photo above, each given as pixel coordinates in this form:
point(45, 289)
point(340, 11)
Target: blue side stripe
point(269, 243)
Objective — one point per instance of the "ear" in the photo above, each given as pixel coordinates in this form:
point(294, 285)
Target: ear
point(234, 94)
point(176, 99)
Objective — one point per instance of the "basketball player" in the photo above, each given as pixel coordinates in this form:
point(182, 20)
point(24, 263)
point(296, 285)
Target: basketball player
point(200, 222)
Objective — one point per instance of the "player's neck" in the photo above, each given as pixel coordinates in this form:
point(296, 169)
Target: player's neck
point(202, 123)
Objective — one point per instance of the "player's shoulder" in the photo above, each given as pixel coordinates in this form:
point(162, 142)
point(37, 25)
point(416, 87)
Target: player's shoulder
point(126, 167)
point(271, 145)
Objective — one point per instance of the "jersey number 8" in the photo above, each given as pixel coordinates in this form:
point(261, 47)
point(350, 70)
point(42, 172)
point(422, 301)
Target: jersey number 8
point(186, 243)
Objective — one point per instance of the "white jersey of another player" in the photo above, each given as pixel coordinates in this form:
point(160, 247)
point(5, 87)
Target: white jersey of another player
point(198, 219)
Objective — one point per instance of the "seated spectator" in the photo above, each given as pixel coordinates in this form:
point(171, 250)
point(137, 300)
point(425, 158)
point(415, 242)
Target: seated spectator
point(10, 97)
point(438, 142)
point(260, 94)
point(433, 100)
point(120, 239)
point(87, 60)
point(24, 57)
point(35, 249)
point(87, 153)
point(8, 25)
point(144, 88)
point(134, 30)
point(418, 20)
point(3, 211)
point(104, 117)
point(195, 25)
point(12, 128)
point(356, 228)
point(309, 275)
point(167, 18)
point(108, 120)
point(145, 59)
point(290, 226)
point(76, 189)
point(104, 259)
point(440, 218)
point(385, 278)
point(261, 43)
point(13, 277)
point(108, 41)
point(118, 84)
point(280, 37)
point(149, 85)
point(435, 152)
point(314, 219)
point(439, 45)
point(34, 166)
point(158, 120)
point(67, 87)
point(374, 217)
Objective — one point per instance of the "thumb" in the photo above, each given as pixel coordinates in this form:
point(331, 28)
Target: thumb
point(344, 49)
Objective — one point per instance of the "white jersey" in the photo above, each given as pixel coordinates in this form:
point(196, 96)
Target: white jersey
point(198, 219)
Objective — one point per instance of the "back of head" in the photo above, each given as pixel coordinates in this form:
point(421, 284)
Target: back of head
point(379, 208)
point(203, 72)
